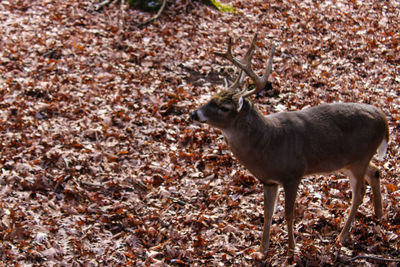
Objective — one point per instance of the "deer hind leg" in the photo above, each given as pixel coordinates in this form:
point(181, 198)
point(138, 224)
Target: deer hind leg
point(270, 194)
point(357, 183)
point(373, 179)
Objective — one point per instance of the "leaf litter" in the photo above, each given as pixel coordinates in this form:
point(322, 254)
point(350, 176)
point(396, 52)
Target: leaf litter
point(100, 164)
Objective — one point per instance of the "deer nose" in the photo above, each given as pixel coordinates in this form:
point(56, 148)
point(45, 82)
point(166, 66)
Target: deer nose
point(194, 116)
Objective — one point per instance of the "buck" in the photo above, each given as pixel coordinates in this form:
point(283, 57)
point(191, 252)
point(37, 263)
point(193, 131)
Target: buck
point(279, 149)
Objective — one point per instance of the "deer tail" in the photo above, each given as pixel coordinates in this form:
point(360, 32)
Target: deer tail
point(382, 148)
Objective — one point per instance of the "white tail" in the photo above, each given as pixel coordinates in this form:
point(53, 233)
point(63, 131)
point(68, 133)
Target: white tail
point(382, 149)
point(281, 148)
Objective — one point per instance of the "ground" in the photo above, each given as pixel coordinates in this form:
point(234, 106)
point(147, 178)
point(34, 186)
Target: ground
point(100, 164)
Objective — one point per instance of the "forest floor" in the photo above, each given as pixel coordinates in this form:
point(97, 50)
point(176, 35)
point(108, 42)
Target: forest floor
point(100, 164)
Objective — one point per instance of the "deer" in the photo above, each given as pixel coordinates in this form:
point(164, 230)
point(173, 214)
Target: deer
point(281, 148)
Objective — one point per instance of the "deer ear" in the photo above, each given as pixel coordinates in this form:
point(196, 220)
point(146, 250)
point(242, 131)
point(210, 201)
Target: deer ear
point(240, 104)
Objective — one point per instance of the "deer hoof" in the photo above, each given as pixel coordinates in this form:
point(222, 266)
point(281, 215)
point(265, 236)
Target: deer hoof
point(343, 239)
point(290, 252)
point(263, 249)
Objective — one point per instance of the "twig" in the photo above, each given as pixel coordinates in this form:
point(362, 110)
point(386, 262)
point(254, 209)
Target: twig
point(181, 202)
point(375, 258)
point(104, 3)
point(164, 3)
point(90, 184)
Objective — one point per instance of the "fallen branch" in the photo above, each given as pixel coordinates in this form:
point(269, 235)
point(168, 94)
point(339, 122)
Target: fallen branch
point(164, 3)
point(375, 258)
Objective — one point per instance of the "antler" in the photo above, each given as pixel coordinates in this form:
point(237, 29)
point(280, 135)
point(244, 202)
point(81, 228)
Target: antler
point(245, 65)
point(239, 80)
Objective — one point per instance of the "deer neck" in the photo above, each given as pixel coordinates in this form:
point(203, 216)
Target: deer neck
point(249, 130)
point(252, 139)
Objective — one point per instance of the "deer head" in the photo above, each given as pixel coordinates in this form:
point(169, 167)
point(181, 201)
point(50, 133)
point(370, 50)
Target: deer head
point(224, 106)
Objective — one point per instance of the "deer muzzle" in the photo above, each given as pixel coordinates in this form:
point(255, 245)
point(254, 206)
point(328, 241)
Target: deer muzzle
point(197, 115)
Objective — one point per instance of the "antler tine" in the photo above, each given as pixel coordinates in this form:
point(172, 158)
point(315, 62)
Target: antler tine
point(228, 53)
point(261, 82)
point(238, 82)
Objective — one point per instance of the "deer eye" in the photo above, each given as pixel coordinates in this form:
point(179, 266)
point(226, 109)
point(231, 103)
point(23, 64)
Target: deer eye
point(223, 109)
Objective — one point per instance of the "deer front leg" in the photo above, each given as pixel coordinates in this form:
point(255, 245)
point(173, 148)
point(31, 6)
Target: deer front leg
point(270, 194)
point(290, 198)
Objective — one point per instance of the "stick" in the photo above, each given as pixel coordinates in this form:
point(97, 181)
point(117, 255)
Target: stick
point(368, 257)
point(164, 3)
